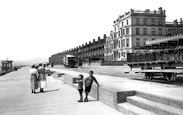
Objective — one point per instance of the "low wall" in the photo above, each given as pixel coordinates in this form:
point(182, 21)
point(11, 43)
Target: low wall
point(110, 96)
point(107, 95)
point(105, 63)
point(113, 63)
point(71, 80)
point(93, 63)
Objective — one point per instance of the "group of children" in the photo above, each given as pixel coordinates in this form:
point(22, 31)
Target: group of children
point(88, 81)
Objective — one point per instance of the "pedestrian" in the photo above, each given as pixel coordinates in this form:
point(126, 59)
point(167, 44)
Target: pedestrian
point(88, 84)
point(42, 77)
point(34, 75)
point(80, 87)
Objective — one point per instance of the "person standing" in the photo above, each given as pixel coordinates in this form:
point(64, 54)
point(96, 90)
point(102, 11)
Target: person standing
point(34, 75)
point(80, 87)
point(88, 84)
point(42, 77)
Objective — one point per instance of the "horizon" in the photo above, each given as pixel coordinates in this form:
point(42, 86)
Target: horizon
point(41, 28)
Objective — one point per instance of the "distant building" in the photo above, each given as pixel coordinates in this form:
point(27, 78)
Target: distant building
point(134, 28)
point(92, 51)
point(6, 65)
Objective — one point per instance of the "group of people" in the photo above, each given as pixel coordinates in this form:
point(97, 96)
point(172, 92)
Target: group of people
point(38, 77)
point(88, 81)
point(38, 80)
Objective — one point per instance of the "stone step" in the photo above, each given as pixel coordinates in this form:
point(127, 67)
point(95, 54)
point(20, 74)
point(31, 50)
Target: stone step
point(155, 107)
point(129, 109)
point(161, 99)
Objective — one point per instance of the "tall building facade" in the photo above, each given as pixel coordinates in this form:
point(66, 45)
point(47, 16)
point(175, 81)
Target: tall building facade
point(134, 28)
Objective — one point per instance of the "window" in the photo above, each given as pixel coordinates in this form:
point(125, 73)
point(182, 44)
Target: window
point(169, 31)
point(126, 22)
point(137, 21)
point(178, 30)
point(145, 31)
point(160, 31)
point(127, 31)
point(153, 21)
point(118, 33)
point(123, 31)
point(145, 39)
point(153, 31)
point(137, 30)
point(114, 28)
point(119, 55)
point(160, 21)
point(145, 21)
point(114, 35)
point(127, 42)
point(122, 23)
point(181, 31)
point(119, 43)
point(137, 41)
point(173, 32)
point(123, 42)
point(122, 54)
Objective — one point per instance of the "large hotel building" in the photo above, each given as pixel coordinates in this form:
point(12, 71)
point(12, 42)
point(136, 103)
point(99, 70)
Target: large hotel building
point(134, 28)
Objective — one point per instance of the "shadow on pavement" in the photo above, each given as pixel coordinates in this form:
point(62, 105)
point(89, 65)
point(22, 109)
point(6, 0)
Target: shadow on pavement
point(91, 101)
point(48, 91)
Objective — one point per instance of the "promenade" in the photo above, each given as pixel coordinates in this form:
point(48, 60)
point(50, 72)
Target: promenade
point(134, 97)
point(160, 88)
point(58, 99)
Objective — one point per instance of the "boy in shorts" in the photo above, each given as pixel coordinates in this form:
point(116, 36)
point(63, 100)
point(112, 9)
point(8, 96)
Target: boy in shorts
point(88, 84)
point(80, 87)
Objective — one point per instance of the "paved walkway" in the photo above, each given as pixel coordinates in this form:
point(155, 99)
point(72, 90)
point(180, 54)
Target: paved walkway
point(58, 99)
point(167, 90)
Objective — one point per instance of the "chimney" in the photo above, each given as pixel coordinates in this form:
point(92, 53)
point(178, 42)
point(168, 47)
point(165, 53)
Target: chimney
point(93, 40)
point(175, 22)
point(154, 11)
point(131, 10)
point(98, 38)
point(160, 8)
point(180, 21)
point(147, 11)
point(104, 37)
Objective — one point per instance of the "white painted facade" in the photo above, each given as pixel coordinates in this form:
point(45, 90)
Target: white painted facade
point(134, 28)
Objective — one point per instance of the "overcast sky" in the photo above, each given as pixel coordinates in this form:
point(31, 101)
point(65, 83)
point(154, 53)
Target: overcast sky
point(40, 28)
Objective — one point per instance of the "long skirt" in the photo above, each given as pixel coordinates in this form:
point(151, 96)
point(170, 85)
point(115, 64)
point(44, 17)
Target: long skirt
point(34, 83)
point(42, 84)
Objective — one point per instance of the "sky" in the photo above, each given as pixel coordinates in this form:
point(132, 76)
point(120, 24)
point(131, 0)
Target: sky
point(40, 28)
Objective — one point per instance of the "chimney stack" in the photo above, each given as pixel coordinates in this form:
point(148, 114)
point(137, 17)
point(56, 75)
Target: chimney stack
point(175, 22)
point(180, 21)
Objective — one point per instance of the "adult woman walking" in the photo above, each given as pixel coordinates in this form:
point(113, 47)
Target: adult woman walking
point(42, 77)
point(34, 75)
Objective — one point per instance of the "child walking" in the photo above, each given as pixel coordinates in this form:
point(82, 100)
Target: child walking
point(80, 87)
point(88, 84)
